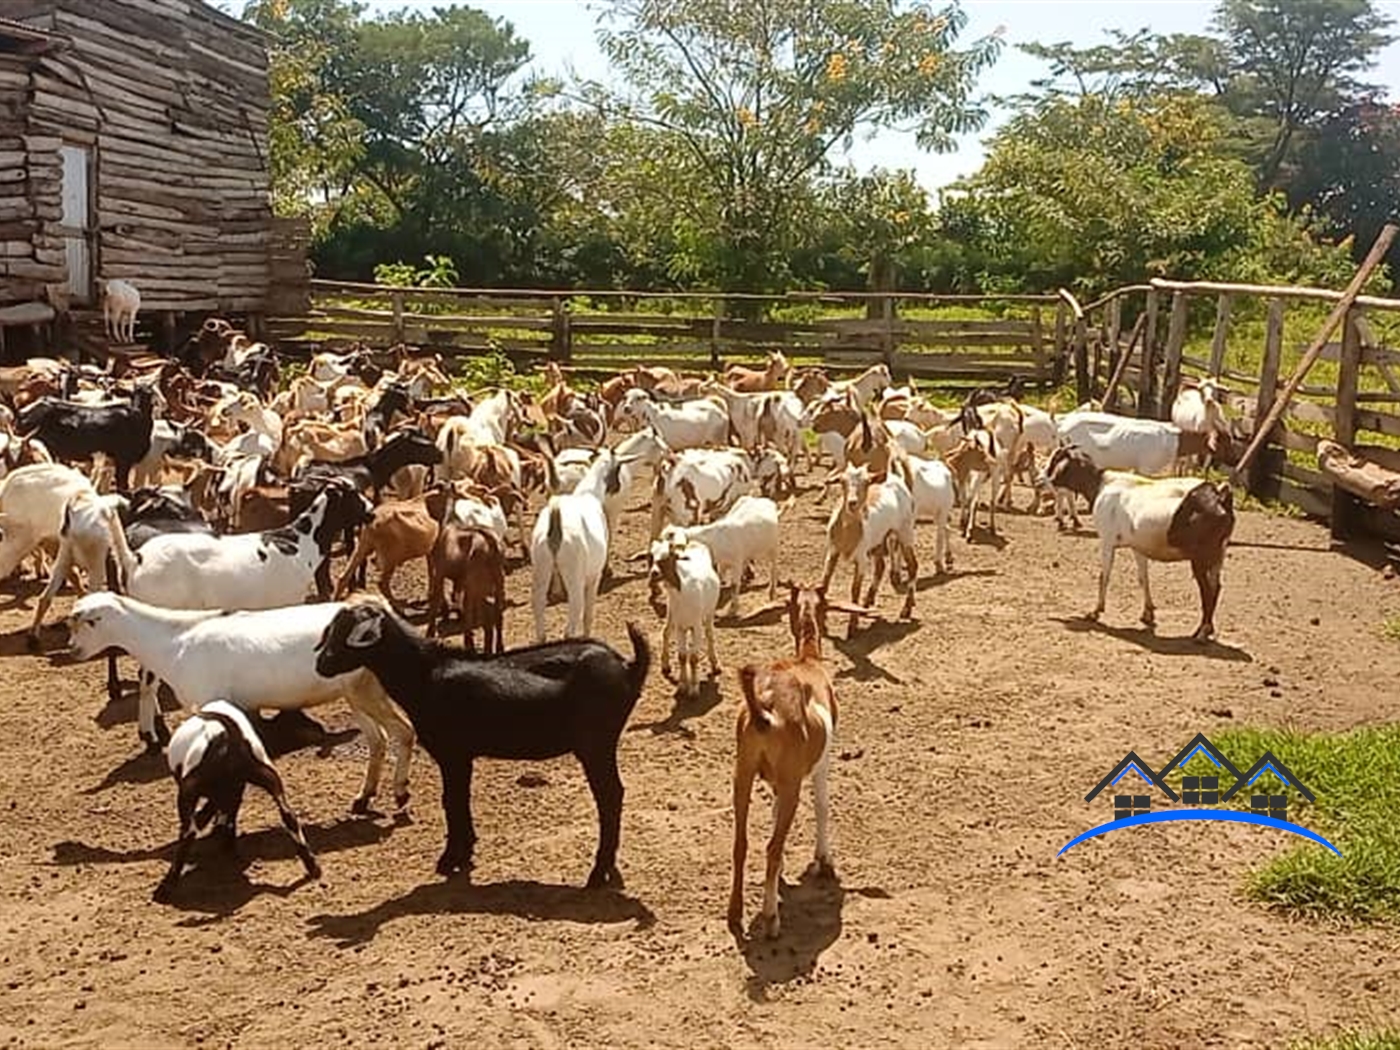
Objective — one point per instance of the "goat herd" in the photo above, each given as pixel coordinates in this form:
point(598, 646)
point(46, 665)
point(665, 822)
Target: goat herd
point(233, 490)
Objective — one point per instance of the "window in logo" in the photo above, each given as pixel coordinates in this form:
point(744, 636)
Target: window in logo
point(1131, 805)
point(1202, 791)
point(1275, 806)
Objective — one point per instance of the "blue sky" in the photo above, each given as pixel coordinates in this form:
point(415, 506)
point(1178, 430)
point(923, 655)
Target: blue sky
point(561, 34)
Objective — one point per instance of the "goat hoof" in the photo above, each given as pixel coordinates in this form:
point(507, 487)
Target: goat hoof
point(361, 805)
point(772, 926)
point(152, 744)
point(164, 893)
point(401, 801)
point(313, 871)
point(32, 643)
point(1203, 634)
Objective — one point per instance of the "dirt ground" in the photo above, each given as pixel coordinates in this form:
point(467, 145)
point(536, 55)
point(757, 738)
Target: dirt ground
point(966, 743)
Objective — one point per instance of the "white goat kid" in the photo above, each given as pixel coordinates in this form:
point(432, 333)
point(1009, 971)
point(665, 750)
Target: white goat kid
point(747, 533)
point(91, 533)
point(930, 483)
point(121, 302)
point(687, 571)
point(693, 424)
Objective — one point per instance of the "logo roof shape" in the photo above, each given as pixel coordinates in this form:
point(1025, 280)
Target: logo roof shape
point(1131, 762)
point(1201, 744)
point(1262, 765)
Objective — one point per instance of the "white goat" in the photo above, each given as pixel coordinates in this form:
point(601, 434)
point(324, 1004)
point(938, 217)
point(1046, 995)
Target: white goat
point(570, 541)
point(1198, 410)
point(930, 483)
point(32, 503)
point(91, 531)
point(258, 659)
point(121, 302)
point(698, 484)
point(748, 532)
point(1142, 446)
point(692, 595)
point(693, 424)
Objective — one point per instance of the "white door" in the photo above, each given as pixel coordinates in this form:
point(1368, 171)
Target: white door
point(77, 164)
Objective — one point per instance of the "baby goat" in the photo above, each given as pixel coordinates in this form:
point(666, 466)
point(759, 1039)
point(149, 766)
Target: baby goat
point(213, 754)
point(692, 595)
point(784, 733)
point(873, 521)
point(499, 707)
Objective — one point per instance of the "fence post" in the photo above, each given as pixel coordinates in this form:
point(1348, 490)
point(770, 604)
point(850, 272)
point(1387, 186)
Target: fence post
point(1038, 344)
point(396, 299)
point(1268, 393)
point(1217, 339)
point(1176, 344)
point(1344, 504)
point(715, 331)
point(1147, 380)
point(1114, 333)
point(561, 341)
point(1057, 370)
point(887, 331)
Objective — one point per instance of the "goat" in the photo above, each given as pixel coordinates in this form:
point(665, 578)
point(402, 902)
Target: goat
point(252, 659)
point(266, 570)
point(73, 432)
point(751, 381)
point(1197, 409)
point(32, 504)
point(697, 485)
point(570, 539)
point(784, 733)
point(874, 519)
point(866, 385)
point(473, 560)
point(121, 302)
point(1161, 519)
point(213, 755)
point(693, 424)
point(747, 532)
point(1141, 446)
point(930, 484)
point(91, 534)
point(973, 462)
point(396, 532)
point(466, 708)
point(688, 574)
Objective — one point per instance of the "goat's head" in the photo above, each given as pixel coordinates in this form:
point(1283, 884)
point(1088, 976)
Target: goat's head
point(666, 550)
point(855, 486)
point(92, 624)
point(807, 608)
point(1071, 468)
point(356, 628)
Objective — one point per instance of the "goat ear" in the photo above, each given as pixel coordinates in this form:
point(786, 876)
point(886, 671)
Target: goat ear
point(846, 607)
point(365, 633)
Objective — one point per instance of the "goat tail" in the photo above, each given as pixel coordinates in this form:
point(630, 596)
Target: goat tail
point(760, 716)
point(554, 531)
point(641, 660)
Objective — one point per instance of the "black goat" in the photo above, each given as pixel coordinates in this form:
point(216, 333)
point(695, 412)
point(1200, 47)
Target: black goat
point(74, 433)
point(508, 706)
point(213, 755)
point(393, 401)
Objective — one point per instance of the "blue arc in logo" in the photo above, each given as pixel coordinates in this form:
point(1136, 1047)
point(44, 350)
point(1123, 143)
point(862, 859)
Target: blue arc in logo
point(1235, 815)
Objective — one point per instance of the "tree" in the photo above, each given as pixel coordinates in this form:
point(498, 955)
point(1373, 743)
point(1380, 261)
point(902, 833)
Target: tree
point(1294, 61)
point(758, 92)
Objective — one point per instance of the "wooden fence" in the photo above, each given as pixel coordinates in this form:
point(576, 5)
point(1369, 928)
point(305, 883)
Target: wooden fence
point(1353, 399)
point(699, 330)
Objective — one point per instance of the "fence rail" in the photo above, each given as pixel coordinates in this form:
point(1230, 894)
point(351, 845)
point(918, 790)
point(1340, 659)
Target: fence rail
point(703, 330)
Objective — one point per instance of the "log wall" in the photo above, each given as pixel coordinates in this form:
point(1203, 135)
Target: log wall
point(172, 98)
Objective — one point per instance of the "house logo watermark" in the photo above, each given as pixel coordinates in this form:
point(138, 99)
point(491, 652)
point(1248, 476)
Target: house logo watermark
point(1200, 797)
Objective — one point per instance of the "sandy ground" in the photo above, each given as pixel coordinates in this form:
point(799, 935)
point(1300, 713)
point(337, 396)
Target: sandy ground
point(967, 742)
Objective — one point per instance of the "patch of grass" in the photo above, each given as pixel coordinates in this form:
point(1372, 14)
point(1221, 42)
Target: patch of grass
point(1352, 1039)
point(1391, 628)
point(1355, 777)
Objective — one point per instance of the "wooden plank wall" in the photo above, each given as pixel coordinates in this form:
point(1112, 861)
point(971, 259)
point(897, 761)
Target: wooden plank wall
point(31, 254)
point(697, 334)
point(173, 97)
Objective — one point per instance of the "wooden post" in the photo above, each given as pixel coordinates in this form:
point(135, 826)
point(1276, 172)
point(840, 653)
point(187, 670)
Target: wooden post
point(1344, 504)
point(1176, 343)
point(167, 331)
point(1082, 382)
point(1038, 345)
point(1268, 386)
point(1122, 365)
point(1115, 332)
point(1147, 382)
point(396, 300)
point(1310, 356)
point(715, 332)
point(887, 331)
point(1057, 368)
point(1217, 339)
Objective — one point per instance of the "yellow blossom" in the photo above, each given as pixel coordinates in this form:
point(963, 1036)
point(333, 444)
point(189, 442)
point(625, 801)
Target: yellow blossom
point(928, 64)
point(836, 67)
point(745, 117)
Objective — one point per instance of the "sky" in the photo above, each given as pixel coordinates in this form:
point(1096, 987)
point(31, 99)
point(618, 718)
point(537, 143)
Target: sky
point(561, 35)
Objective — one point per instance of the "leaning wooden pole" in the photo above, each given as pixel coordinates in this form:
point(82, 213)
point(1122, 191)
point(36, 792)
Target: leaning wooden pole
point(1270, 420)
point(1122, 364)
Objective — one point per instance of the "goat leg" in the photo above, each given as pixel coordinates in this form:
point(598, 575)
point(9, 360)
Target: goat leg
point(266, 777)
point(606, 784)
point(185, 803)
point(743, 790)
point(784, 809)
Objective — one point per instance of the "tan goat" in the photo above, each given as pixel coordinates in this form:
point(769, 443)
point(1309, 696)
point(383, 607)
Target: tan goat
point(398, 532)
point(784, 734)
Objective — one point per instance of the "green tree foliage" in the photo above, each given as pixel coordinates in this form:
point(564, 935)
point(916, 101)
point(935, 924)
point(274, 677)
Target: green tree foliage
point(759, 92)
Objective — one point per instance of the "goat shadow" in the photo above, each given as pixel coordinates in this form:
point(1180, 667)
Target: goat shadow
point(22, 595)
point(1146, 638)
point(982, 536)
point(457, 896)
point(218, 886)
point(942, 579)
point(857, 649)
point(684, 709)
point(810, 913)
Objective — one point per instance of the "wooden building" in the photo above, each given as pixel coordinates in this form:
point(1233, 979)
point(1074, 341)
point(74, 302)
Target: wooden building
point(134, 145)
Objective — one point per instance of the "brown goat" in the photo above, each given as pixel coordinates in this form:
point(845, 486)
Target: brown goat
point(472, 559)
point(752, 381)
point(397, 532)
point(784, 734)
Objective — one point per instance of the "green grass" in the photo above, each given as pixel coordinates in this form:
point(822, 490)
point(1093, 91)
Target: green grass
point(1356, 779)
point(1391, 628)
point(1352, 1039)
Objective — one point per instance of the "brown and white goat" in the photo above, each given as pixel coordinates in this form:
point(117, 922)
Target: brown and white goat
point(752, 380)
point(784, 734)
point(873, 521)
